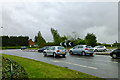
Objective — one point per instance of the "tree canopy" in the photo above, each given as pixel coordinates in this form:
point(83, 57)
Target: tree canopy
point(40, 40)
point(14, 40)
point(90, 39)
point(56, 36)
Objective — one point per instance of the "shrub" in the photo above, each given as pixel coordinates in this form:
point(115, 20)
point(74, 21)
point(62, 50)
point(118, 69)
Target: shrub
point(18, 71)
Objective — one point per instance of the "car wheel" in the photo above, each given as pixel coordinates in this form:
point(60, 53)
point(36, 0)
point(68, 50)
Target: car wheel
point(71, 53)
point(114, 56)
point(63, 55)
point(96, 50)
point(105, 50)
point(54, 55)
point(45, 54)
point(83, 53)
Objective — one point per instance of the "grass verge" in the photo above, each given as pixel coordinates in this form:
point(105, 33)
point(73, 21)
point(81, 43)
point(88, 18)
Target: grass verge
point(38, 69)
point(16, 47)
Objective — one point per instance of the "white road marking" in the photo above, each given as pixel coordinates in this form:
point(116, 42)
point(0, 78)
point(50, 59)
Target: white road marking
point(56, 61)
point(81, 65)
point(102, 61)
point(76, 64)
point(103, 56)
point(106, 61)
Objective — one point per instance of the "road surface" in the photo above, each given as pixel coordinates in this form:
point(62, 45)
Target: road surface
point(98, 65)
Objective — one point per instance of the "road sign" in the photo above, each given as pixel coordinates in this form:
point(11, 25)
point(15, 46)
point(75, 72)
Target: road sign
point(70, 43)
point(65, 44)
point(61, 43)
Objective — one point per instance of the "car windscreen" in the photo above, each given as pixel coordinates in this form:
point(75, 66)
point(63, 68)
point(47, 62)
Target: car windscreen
point(61, 48)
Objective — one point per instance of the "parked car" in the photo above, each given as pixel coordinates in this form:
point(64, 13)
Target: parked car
point(23, 47)
point(55, 51)
point(82, 50)
point(42, 49)
point(100, 48)
point(115, 53)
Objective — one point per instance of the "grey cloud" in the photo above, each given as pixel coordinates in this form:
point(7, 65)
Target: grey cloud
point(66, 17)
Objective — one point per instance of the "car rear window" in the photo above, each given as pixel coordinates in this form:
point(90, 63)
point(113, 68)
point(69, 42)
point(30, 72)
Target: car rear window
point(61, 48)
point(88, 46)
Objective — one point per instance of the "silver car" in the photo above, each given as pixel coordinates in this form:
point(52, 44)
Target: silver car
point(100, 48)
point(55, 51)
point(82, 50)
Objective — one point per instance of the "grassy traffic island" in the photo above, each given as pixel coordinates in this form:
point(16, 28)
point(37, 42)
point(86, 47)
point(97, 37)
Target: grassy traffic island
point(38, 69)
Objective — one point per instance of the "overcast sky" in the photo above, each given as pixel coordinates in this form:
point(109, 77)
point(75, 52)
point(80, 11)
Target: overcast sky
point(100, 18)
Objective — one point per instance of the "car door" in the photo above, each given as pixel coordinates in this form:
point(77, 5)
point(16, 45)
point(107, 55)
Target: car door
point(79, 49)
point(51, 50)
point(118, 52)
point(48, 51)
point(75, 49)
point(102, 48)
point(99, 48)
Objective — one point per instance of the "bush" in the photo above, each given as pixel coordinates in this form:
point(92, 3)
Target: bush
point(18, 71)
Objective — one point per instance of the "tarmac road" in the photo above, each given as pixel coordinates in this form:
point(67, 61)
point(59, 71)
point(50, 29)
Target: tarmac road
point(98, 65)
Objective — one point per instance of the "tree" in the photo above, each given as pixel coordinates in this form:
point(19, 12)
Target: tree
point(76, 35)
point(90, 39)
point(64, 38)
point(35, 39)
point(56, 36)
point(14, 40)
point(40, 40)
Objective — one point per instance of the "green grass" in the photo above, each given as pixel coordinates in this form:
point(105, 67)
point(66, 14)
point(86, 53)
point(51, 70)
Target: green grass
point(33, 48)
point(10, 47)
point(38, 69)
point(16, 47)
point(111, 47)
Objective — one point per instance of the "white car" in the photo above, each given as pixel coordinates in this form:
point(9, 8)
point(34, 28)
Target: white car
point(55, 51)
point(100, 48)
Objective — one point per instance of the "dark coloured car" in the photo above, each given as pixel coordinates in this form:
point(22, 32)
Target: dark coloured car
point(115, 53)
point(22, 48)
point(43, 48)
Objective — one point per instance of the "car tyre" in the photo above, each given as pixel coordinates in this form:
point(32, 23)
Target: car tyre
point(54, 55)
point(104, 50)
point(83, 53)
point(114, 56)
point(71, 53)
point(96, 50)
point(63, 55)
point(45, 54)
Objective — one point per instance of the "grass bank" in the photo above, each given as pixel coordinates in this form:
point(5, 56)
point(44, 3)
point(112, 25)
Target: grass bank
point(111, 47)
point(17, 47)
point(38, 69)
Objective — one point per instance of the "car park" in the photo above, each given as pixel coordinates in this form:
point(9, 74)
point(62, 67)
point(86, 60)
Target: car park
point(82, 50)
point(115, 53)
point(43, 48)
point(23, 47)
point(55, 51)
point(100, 49)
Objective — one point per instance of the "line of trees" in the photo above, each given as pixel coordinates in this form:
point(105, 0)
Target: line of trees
point(15, 40)
point(90, 39)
